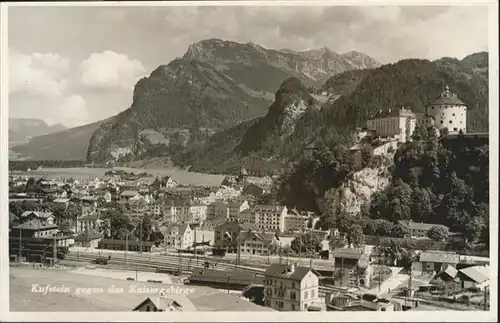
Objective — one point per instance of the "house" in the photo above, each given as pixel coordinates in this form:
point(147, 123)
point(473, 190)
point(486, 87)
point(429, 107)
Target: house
point(290, 287)
point(35, 228)
point(435, 261)
point(158, 305)
point(108, 197)
point(294, 221)
point(352, 267)
point(88, 238)
point(46, 217)
point(178, 236)
point(128, 194)
point(228, 234)
point(475, 277)
point(256, 243)
point(419, 230)
point(270, 218)
point(168, 182)
point(235, 208)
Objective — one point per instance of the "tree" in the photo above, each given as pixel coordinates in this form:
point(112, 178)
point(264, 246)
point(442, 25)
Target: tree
point(336, 241)
point(147, 228)
point(444, 132)
point(421, 208)
point(366, 154)
point(400, 230)
point(383, 228)
point(156, 183)
point(475, 228)
point(420, 132)
point(437, 234)
point(308, 242)
point(355, 235)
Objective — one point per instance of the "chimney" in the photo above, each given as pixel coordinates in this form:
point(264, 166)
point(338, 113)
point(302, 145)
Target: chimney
point(291, 268)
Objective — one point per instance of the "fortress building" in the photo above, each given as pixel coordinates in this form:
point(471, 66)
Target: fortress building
point(448, 111)
point(398, 124)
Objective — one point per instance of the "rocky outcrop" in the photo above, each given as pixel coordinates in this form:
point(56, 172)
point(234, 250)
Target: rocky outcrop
point(359, 189)
point(291, 102)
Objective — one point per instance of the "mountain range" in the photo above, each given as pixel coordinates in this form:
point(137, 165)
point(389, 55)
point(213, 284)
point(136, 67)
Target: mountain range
point(21, 130)
point(225, 104)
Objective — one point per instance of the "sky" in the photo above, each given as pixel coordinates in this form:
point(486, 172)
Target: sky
point(77, 65)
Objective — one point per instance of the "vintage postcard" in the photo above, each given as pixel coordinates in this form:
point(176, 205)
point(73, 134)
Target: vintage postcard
point(249, 161)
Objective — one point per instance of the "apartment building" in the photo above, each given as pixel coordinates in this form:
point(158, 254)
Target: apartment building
point(290, 287)
point(294, 221)
point(217, 212)
point(270, 218)
point(177, 210)
point(236, 207)
point(198, 212)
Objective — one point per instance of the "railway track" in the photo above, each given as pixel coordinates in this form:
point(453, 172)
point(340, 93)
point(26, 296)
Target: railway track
point(151, 263)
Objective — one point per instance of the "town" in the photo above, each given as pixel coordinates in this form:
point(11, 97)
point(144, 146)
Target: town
point(235, 238)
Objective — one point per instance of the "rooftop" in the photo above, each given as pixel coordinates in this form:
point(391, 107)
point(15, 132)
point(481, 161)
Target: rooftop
point(35, 225)
point(89, 235)
point(478, 274)
point(351, 253)
point(422, 226)
point(283, 271)
point(439, 257)
point(38, 214)
point(447, 98)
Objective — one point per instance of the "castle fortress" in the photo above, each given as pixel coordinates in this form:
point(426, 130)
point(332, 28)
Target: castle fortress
point(447, 111)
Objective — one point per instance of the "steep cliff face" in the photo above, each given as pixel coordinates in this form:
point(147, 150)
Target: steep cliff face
point(292, 101)
point(359, 189)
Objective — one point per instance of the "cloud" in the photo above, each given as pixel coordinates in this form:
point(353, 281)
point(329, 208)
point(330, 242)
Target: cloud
point(73, 111)
point(37, 74)
point(108, 70)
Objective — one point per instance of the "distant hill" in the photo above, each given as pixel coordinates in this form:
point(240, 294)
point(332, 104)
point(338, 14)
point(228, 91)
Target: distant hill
point(21, 130)
point(69, 144)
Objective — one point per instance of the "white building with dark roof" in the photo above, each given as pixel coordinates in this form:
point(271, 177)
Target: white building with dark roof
point(290, 287)
point(270, 218)
point(448, 111)
point(177, 236)
point(398, 124)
